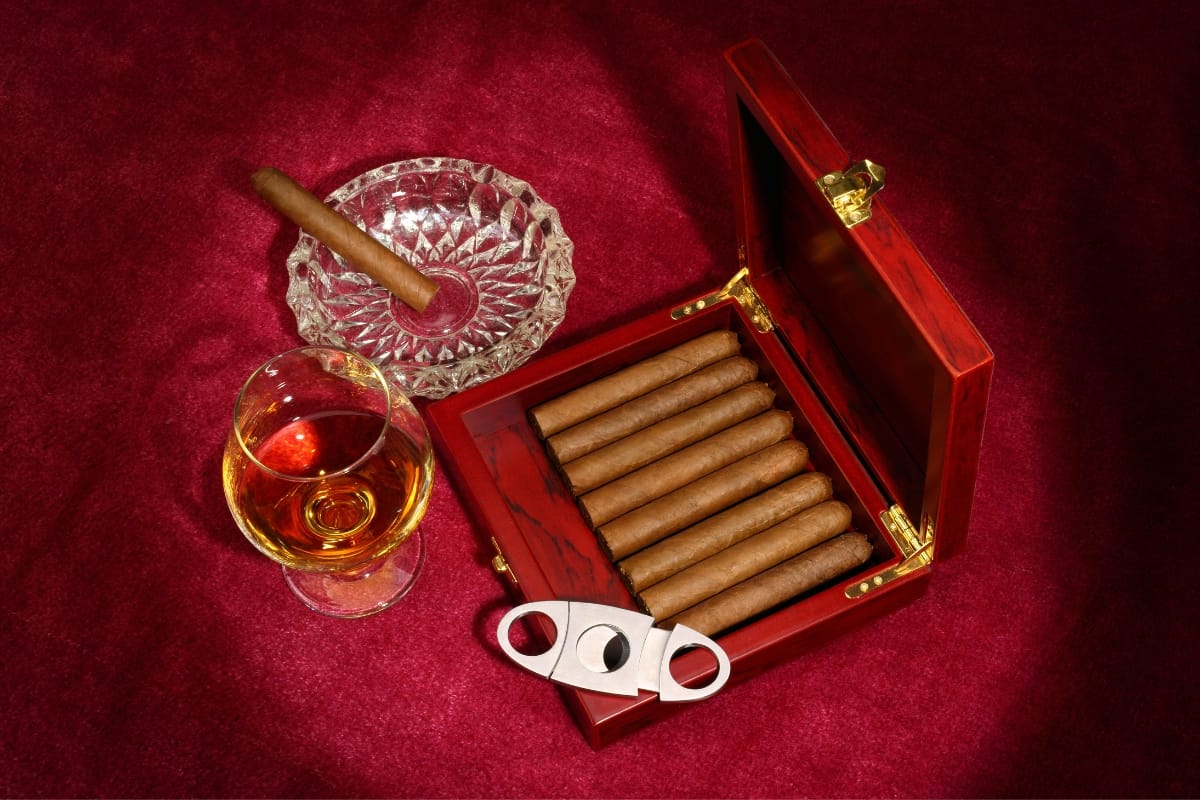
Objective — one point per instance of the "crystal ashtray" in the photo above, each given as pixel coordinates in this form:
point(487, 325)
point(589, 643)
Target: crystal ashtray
point(496, 250)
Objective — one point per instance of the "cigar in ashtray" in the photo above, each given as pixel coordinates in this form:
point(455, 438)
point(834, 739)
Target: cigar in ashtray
point(344, 238)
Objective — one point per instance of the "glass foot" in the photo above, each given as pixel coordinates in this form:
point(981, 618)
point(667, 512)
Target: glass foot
point(364, 591)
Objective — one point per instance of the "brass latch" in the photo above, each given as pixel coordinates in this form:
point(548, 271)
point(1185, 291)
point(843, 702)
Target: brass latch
point(500, 563)
point(739, 289)
point(916, 547)
point(850, 191)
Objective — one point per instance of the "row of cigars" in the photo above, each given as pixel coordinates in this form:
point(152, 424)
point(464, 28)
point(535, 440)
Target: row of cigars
point(695, 487)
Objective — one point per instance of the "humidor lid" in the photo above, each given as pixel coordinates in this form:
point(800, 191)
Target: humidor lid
point(898, 363)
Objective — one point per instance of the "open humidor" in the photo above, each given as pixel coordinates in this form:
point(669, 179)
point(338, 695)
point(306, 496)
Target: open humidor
point(884, 376)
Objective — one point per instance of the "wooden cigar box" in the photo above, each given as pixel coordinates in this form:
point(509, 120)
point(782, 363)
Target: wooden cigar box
point(886, 378)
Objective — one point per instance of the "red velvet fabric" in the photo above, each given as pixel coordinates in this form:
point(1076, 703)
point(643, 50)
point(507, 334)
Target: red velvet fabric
point(1040, 157)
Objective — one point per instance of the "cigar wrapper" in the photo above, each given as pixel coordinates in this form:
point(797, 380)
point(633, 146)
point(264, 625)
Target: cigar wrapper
point(667, 437)
point(655, 406)
point(685, 466)
point(712, 535)
point(745, 559)
point(776, 585)
point(344, 238)
point(633, 381)
point(701, 498)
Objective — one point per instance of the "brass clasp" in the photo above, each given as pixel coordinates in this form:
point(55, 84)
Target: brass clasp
point(500, 563)
point(849, 192)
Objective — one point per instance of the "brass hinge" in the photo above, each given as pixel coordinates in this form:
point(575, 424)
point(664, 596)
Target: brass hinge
point(500, 563)
point(850, 191)
point(738, 289)
point(916, 547)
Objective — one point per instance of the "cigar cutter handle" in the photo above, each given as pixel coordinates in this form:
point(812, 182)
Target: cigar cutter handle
point(612, 650)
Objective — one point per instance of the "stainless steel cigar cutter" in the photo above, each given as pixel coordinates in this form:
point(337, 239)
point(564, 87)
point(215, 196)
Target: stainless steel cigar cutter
point(612, 650)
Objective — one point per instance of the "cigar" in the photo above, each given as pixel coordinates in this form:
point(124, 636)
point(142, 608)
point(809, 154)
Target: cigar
point(778, 584)
point(344, 238)
point(711, 536)
point(701, 498)
point(669, 436)
point(639, 413)
point(681, 468)
point(745, 559)
point(609, 392)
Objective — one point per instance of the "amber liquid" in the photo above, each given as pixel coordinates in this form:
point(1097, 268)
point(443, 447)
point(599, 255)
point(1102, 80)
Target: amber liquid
point(340, 522)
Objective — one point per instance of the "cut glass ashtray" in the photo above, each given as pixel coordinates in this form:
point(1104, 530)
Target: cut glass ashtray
point(496, 250)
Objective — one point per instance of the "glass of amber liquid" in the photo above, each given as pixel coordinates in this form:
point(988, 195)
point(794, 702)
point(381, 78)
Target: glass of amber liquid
point(328, 471)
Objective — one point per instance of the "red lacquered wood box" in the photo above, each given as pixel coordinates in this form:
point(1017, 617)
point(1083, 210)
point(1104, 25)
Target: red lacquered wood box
point(886, 378)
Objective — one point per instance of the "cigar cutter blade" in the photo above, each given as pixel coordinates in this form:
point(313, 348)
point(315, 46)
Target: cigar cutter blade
point(612, 650)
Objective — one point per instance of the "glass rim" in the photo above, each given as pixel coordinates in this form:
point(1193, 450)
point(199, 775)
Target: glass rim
point(358, 462)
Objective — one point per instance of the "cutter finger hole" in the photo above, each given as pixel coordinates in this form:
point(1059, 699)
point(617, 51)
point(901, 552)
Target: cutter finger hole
point(692, 660)
point(603, 648)
point(532, 634)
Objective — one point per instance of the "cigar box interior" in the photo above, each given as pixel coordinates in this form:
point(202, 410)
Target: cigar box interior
point(884, 377)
